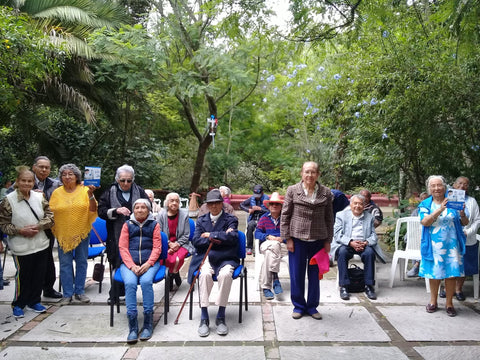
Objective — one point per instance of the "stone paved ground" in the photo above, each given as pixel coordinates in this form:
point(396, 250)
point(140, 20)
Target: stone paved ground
point(395, 326)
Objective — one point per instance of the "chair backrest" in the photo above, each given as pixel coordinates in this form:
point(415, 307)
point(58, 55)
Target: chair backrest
point(413, 235)
point(100, 227)
point(192, 229)
point(184, 202)
point(164, 253)
point(242, 247)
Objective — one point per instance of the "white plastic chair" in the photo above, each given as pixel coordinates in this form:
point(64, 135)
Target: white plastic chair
point(412, 247)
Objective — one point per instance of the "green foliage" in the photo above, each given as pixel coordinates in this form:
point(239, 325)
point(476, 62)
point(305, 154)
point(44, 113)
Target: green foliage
point(26, 60)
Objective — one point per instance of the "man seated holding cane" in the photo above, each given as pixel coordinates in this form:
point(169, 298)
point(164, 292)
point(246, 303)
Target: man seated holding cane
point(219, 228)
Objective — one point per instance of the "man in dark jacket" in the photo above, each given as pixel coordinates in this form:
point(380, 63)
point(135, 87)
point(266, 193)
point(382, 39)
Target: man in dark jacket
point(219, 228)
point(115, 206)
point(255, 208)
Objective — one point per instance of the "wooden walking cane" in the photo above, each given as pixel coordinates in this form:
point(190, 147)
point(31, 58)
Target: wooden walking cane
point(193, 283)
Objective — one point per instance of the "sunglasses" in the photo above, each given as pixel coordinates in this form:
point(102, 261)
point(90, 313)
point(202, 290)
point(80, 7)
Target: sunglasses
point(125, 180)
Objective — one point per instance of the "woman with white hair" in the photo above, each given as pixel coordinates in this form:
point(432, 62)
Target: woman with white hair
point(443, 243)
point(140, 246)
point(155, 206)
point(175, 223)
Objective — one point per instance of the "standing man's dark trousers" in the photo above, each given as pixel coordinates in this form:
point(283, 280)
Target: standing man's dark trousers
point(345, 253)
point(50, 275)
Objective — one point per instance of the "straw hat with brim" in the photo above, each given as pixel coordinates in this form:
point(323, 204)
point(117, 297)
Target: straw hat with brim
point(275, 198)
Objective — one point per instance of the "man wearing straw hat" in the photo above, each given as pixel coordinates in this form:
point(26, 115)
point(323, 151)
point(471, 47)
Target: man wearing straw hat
point(271, 245)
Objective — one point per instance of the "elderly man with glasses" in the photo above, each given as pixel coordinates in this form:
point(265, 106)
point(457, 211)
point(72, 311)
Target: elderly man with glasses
point(115, 206)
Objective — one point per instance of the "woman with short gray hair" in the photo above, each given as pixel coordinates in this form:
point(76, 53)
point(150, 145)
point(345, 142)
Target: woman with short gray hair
point(75, 209)
point(175, 223)
point(443, 243)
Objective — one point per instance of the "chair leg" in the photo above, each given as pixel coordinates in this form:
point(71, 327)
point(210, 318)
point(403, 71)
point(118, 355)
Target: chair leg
point(475, 286)
point(166, 304)
point(240, 305)
point(392, 271)
point(246, 290)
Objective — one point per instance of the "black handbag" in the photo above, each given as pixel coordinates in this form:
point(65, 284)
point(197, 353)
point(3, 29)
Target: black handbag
point(98, 270)
point(357, 280)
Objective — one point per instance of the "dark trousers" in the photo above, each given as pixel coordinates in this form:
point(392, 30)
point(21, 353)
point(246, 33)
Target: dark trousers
point(298, 262)
point(29, 278)
point(50, 274)
point(251, 226)
point(345, 253)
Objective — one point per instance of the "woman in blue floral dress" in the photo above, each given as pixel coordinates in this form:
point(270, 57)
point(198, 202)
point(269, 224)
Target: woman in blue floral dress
point(443, 243)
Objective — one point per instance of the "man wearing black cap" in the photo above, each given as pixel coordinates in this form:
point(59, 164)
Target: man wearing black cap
point(219, 228)
point(255, 208)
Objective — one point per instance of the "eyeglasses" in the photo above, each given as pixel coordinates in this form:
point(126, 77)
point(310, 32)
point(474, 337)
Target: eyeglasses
point(125, 180)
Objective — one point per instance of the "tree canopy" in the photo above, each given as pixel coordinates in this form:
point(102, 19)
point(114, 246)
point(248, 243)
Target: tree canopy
point(380, 93)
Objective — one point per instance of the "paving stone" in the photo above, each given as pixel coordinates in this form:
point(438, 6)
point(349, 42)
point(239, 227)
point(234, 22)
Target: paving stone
point(80, 323)
point(207, 352)
point(449, 352)
point(251, 329)
point(340, 323)
point(9, 324)
point(61, 353)
point(343, 352)
point(415, 324)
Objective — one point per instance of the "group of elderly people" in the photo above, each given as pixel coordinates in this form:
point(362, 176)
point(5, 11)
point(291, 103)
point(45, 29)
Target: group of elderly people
point(301, 223)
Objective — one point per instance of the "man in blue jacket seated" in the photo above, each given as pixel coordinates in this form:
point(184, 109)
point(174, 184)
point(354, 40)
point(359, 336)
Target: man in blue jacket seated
point(255, 208)
point(354, 233)
point(219, 228)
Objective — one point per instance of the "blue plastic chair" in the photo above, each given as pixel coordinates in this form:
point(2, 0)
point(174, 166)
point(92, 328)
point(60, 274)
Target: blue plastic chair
point(192, 228)
point(98, 236)
point(239, 272)
point(162, 274)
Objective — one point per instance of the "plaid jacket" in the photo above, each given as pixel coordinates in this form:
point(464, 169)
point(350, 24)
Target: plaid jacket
point(305, 220)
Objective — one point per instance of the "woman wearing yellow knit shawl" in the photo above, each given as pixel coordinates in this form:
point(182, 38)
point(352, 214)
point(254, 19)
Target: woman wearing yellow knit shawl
point(75, 209)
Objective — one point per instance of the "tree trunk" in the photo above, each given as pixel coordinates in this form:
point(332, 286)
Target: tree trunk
point(199, 161)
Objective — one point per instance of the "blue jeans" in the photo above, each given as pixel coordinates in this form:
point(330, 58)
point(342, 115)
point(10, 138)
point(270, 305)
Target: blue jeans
point(146, 282)
point(67, 277)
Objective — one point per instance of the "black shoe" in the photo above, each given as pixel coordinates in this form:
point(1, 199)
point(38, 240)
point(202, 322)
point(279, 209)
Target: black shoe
point(178, 279)
point(442, 293)
point(51, 294)
point(460, 296)
point(370, 292)
point(344, 295)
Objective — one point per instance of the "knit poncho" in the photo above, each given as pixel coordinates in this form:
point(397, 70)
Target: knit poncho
point(73, 220)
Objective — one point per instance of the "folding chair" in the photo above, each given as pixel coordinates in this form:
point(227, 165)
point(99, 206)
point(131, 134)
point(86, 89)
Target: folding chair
point(240, 271)
point(162, 274)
